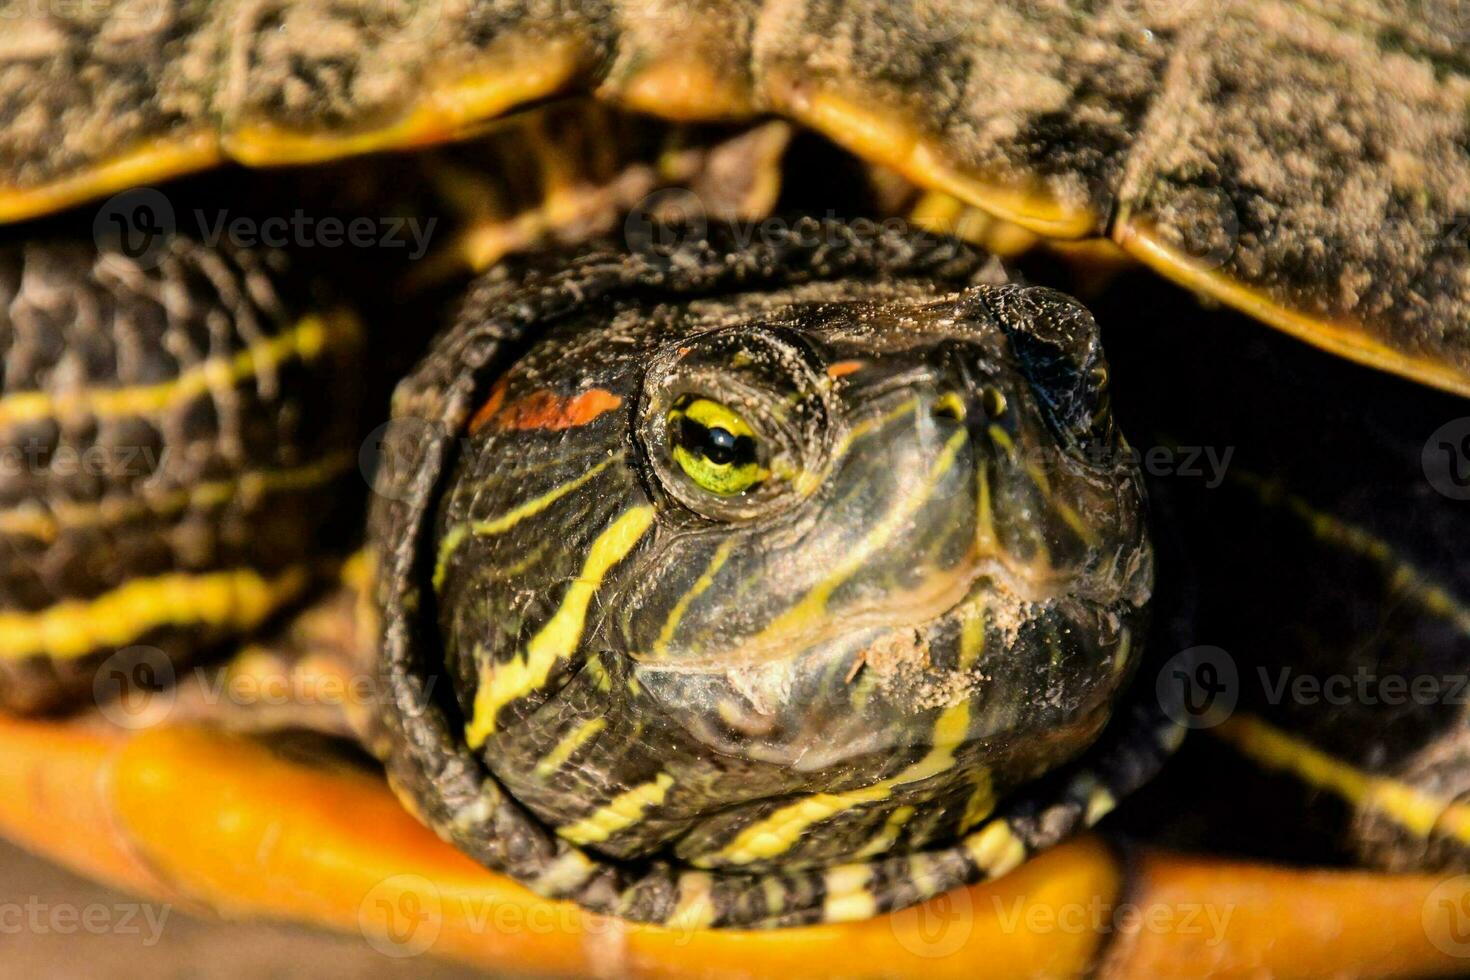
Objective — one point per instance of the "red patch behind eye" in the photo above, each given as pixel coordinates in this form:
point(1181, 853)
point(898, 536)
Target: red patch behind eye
point(543, 410)
point(843, 368)
point(491, 406)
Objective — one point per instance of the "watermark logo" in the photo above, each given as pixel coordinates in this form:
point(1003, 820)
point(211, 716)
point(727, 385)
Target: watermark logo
point(302, 230)
point(134, 687)
point(137, 224)
point(1209, 464)
point(1446, 459)
point(105, 462)
point(390, 456)
point(1199, 687)
point(1363, 687)
point(405, 916)
point(1446, 916)
point(402, 916)
point(937, 927)
point(664, 222)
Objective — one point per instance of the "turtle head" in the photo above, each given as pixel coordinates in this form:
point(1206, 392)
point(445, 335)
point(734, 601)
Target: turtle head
point(865, 546)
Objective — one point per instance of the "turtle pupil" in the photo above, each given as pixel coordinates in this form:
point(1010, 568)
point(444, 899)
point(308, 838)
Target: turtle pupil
point(720, 446)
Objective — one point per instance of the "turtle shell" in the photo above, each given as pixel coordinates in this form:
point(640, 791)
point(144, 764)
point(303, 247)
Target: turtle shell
point(1307, 164)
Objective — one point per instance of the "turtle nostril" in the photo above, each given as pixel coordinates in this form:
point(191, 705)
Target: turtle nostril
point(949, 406)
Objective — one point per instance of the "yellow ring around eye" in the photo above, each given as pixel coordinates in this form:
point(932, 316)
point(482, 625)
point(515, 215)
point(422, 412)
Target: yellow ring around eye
point(713, 415)
point(725, 479)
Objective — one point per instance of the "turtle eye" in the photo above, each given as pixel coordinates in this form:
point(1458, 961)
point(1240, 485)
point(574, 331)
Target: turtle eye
point(714, 446)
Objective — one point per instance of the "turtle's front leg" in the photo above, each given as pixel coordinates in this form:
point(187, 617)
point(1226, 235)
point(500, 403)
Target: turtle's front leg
point(171, 430)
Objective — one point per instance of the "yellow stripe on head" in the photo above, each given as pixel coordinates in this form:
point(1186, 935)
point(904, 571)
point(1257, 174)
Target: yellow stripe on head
point(717, 562)
point(814, 603)
point(882, 842)
point(808, 482)
point(455, 536)
point(972, 638)
point(502, 683)
point(564, 749)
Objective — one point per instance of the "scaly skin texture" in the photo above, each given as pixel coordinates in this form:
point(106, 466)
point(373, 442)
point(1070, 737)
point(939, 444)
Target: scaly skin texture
point(1304, 162)
point(871, 643)
point(169, 455)
point(534, 542)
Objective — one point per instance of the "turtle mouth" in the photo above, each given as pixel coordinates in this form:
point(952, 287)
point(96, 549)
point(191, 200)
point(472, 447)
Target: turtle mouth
point(857, 687)
point(941, 595)
point(907, 715)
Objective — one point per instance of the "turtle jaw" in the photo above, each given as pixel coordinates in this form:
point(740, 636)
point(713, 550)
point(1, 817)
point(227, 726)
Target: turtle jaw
point(925, 723)
point(841, 704)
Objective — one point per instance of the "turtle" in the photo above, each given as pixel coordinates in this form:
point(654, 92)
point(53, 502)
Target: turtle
point(721, 573)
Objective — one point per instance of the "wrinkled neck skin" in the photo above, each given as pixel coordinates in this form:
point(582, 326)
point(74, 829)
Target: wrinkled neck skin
point(933, 596)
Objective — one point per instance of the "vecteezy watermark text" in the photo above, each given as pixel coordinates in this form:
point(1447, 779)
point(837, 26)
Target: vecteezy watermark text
point(404, 916)
point(303, 230)
point(139, 223)
point(1101, 915)
point(35, 458)
point(38, 917)
point(140, 687)
point(1363, 687)
point(1201, 687)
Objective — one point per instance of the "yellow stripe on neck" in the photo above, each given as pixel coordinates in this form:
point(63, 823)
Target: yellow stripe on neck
point(676, 615)
point(813, 605)
point(1415, 810)
point(37, 520)
point(235, 599)
point(779, 832)
point(625, 810)
point(569, 744)
point(1402, 576)
point(305, 342)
